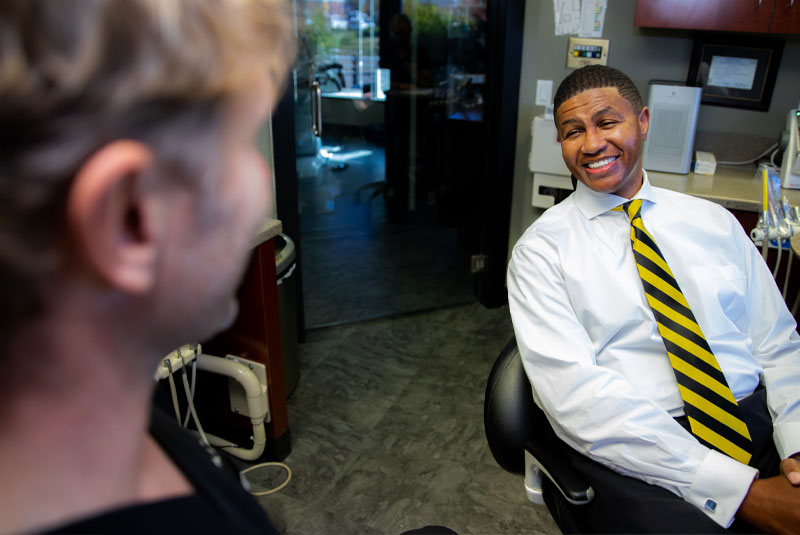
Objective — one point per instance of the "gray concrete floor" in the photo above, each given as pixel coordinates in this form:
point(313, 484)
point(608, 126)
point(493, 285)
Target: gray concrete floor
point(387, 431)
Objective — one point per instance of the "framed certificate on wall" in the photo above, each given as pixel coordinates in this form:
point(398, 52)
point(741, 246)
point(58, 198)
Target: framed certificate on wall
point(735, 75)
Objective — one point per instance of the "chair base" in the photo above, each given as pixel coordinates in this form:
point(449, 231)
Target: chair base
point(533, 480)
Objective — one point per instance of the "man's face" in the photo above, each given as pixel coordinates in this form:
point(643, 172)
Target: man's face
point(601, 140)
point(214, 244)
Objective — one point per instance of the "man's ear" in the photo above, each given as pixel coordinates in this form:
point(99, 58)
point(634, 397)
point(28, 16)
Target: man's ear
point(644, 121)
point(110, 215)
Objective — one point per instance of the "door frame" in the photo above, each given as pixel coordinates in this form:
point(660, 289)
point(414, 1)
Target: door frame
point(504, 61)
point(286, 193)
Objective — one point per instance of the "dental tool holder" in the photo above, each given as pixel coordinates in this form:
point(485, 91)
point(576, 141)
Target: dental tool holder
point(248, 393)
point(176, 360)
point(780, 221)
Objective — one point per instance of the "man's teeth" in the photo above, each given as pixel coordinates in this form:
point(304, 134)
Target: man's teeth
point(601, 163)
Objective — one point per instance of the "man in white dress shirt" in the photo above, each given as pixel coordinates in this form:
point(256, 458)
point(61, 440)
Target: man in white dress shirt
point(592, 349)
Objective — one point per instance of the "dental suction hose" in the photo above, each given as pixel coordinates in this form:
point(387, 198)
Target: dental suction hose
point(257, 404)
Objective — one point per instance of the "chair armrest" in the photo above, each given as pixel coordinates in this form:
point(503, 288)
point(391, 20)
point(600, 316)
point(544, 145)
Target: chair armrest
point(556, 466)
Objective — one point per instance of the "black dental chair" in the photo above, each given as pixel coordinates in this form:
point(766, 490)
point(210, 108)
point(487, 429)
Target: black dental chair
point(523, 442)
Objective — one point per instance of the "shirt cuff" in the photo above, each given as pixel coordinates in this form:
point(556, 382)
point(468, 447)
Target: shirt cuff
point(787, 439)
point(719, 487)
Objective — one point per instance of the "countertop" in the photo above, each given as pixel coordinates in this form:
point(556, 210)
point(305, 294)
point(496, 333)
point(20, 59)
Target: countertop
point(735, 188)
point(270, 229)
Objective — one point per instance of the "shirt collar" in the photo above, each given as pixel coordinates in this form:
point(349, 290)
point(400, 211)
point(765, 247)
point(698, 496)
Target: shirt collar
point(592, 203)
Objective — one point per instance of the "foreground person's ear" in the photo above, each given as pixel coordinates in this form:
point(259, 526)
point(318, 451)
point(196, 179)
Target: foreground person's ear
point(111, 216)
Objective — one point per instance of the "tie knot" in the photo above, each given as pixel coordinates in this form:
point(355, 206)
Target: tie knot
point(633, 209)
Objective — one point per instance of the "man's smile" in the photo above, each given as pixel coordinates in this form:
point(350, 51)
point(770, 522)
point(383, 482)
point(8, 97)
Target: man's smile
point(599, 166)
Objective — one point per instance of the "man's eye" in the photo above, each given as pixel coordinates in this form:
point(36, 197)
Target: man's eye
point(607, 124)
point(571, 133)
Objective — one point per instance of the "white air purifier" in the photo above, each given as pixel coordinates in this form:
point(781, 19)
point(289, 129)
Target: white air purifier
point(673, 119)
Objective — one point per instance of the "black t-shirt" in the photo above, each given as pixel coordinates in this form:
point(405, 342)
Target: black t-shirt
point(219, 505)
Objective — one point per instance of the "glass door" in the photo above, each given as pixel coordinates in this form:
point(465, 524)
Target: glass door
point(389, 100)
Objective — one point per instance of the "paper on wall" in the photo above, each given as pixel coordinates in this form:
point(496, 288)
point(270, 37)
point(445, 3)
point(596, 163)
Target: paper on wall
point(585, 17)
point(593, 15)
point(567, 16)
point(736, 73)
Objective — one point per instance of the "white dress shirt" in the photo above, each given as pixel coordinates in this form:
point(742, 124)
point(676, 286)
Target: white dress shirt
point(591, 347)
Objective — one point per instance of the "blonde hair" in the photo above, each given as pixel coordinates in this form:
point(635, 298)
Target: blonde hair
point(77, 74)
point(123, 51)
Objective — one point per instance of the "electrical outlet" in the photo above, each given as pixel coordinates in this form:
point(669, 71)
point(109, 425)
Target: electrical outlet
point(478, 263)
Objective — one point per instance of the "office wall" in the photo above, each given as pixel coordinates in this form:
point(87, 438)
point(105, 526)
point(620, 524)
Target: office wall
point(644, 54)
point(265, 147)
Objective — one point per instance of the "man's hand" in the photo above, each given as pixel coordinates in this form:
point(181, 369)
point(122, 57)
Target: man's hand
point(773, 505)
point(790, 468)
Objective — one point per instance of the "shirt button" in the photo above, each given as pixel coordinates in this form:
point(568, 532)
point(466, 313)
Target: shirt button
point(711, 505)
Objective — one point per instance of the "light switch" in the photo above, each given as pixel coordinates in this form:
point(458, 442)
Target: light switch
point(544, 92)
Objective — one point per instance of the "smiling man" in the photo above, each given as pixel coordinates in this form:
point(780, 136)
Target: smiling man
point(607, 158)
point(655, 339)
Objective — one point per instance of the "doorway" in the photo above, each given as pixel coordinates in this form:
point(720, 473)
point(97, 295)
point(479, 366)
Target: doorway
point(390, 111)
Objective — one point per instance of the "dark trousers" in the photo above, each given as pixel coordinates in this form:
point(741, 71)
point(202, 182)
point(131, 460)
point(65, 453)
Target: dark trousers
point(626, 505)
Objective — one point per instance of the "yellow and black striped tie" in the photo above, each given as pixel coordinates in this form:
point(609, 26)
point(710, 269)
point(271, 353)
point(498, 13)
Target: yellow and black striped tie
point(713, 413)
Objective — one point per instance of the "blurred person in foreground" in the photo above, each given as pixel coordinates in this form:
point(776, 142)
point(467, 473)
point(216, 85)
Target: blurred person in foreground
point(130, 190)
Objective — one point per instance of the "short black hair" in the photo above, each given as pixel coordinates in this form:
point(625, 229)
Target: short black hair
point(597, 77)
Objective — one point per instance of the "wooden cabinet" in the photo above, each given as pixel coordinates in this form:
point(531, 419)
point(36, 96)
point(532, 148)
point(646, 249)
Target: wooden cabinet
point(256, 336)
point(786, 17)
point(757, 16)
